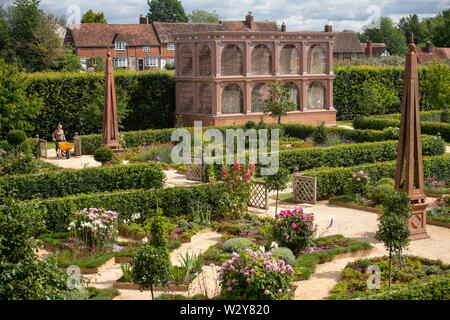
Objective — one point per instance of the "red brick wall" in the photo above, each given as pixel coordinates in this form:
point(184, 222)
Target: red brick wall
point(165, 53)
point(347, 57)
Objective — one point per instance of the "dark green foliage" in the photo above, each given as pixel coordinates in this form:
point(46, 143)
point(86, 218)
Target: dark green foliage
point(23, 276)
point(320, 135)
point(16, 137)
point(103, 155)
point(151, 266)
point(379, 193)
point(379, 123)
point(19, 164)
point(158, 234)
point(93, 17)
point(166, 11)
point(385, 181)
point(171, 200)
point(66, 95)
point(62, 183)
point(332, 181)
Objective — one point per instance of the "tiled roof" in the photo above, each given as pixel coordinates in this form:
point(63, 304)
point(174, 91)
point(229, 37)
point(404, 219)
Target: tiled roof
point(377, 48)
point(102, 35)
point(347, 42)
point(166, 30)
point(438, 54)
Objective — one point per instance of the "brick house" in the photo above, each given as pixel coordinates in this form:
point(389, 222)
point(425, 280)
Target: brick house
point(375, 49)
point(132, 46)
point(346, 46)
point(430, 52)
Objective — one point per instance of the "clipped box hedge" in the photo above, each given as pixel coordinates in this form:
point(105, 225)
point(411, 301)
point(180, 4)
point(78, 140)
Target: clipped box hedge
point(331, 181)
point(173, 201)
point(379, 123)
point(62, 183)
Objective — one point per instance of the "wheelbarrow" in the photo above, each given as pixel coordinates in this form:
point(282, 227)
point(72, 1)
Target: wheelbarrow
point(65, 148)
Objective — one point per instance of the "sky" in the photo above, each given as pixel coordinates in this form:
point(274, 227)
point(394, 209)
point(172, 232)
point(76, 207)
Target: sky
point(308, 15)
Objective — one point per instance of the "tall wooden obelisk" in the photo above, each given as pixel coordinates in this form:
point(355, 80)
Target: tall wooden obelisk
point(110, 129)
point(409, 174)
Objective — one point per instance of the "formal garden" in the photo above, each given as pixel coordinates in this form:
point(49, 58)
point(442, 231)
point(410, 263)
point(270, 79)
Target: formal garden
point(122, 230)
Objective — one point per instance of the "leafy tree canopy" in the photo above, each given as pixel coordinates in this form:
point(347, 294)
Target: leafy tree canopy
point(93, 17)
point(203, 16)
point(166, 11)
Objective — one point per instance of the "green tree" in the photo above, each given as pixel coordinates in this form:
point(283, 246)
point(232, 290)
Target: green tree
point(17, 108)
point(393, 225)
point(410, 24)
point(375, 98)
point(279, 103)
point(93, 17)
point(22, 275)
point(389, 34)
point(439, 28)
point(277, 182)
point(166, 11)
point(436, 86)
point(203, 16)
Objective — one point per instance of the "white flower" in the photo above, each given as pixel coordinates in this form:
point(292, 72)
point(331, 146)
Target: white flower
point(145, 240)
point(274, 245)
point(262, 249)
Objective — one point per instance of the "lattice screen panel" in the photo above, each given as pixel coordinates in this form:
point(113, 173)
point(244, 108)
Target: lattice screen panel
point(205, 99)
point(316, 96)
point(232, 61)
point(261, 63)
point(260, 92)
point(204, 62)
point(195, 172)
point(186, 96)
point(304, 189)
point(258, 196)
point(186, 60)
point(289, 60)
point(232, 99)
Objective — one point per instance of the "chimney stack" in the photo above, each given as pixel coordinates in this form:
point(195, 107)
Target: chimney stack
point(283, 27)
point(328, 28)
point(249, 21)
point(369, 48)
point(143, 20)
point(430, 47)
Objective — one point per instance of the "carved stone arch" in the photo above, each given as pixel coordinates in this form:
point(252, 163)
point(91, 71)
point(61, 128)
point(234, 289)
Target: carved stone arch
point(185, 60)
point(295, 92)
point(317, 59)
point(232, 61)
point(186, 96)
point(232, 98)
point(204, 61)
point(260, 92)
point(205, 98)
point(261, 59)
point(316, 95)
point(289, 62)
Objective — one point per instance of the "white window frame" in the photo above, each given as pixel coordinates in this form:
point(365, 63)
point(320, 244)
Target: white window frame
point(120, 62)
point(322, 55)
point(151, 61)
point(120, 46)
point(146, 49)
point(340, 55)
point(171, 46)
point(353, 56)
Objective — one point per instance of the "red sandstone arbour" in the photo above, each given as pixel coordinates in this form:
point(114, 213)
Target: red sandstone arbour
point(221, 76)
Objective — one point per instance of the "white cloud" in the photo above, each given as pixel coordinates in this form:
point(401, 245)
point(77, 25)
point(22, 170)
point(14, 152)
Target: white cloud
point(298, 15)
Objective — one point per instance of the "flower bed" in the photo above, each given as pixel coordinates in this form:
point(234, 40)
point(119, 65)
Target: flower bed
point(251, 226)
point(417, 278)
point(439, 213)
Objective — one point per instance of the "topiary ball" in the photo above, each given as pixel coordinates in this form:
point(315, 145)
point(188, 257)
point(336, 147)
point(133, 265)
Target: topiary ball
point(16, 137)
point(237, 244)
point(388, 181)
point(103, 155)
point(380, 192)
point(283, 253)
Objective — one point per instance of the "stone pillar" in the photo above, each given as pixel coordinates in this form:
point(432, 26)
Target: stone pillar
point(247, 67)
point(247, 97)
point(217, 97)
point(217, 53)
point(276, 58)
point(329, 95)
point(303, 95)
point(330, 58)
point(304, 64)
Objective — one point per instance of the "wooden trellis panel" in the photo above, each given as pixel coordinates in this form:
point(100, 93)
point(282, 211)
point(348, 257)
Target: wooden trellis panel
point(304, 189)
point(259, 196)
point(195, 171)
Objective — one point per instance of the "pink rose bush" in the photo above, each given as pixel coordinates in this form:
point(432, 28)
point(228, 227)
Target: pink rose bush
point(358, 183)
point(94, 227)
point(252, 275)
point(294, 229)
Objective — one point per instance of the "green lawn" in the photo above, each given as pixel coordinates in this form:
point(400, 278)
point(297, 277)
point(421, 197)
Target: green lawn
point(345, 123)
